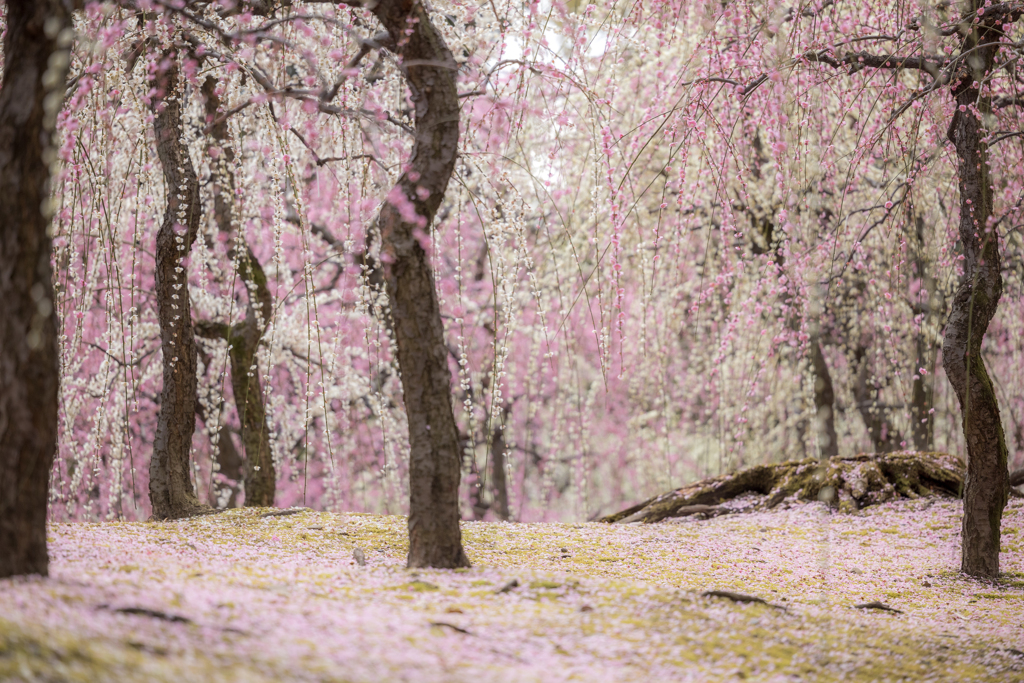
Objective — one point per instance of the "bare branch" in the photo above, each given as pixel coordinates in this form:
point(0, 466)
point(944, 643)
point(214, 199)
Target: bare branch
point(857, 61)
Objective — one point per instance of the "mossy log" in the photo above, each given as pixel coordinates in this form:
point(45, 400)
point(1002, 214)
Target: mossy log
point(847, 483)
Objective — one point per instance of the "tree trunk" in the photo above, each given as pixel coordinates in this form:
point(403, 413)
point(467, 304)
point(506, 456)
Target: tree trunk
point(244, 337)
point(986, 486)
point(260, 475)
point(35, 56)
point(170, 485)
point(229, 461)
point(498, 474)
point(923, 392)
point(435, 539)
point(824, 402)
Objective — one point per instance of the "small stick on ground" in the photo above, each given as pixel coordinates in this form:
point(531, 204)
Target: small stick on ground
point(875, 604)
point(146, 612)
point(451, 626)
point(285, 513)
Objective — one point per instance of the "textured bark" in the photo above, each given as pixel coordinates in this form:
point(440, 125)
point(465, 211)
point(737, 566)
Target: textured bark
point(229, 461)
point(244, 337)
point(922, 398)
point(850, 483)
point(986, 487)
point(260, 475)
point(923, 392)
point(498, 472)
point(29, 374)
point(170, 485)
point(824, 402)
point(435, 538)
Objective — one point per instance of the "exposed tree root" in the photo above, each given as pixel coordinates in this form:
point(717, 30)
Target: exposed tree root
point(848, 483)
point(1017, 477)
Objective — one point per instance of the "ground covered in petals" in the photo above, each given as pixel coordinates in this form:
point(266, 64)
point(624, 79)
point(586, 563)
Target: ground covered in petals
point(243, 596)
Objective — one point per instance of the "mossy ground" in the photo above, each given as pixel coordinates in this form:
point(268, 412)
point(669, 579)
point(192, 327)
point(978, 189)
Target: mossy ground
point(241, 597)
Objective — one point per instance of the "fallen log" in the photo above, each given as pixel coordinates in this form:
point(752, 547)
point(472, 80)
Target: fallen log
point(846, 483)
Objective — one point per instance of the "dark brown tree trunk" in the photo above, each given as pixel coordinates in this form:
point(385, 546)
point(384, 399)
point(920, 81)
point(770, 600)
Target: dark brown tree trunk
point(824, 402)
point(498, 471)
point(229, 461)
point(35, 66)
point(922, 398)
point(244, 337)
point(986, 486)
point(923, 392)
point(170, 485)
point(435, 538)
point(260, 475)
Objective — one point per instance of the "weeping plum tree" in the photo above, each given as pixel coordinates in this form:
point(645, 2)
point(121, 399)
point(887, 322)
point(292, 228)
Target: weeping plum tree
point(36, 44)
point(243, 338)
point(435, 539)
point(978, 36)
point(170, 484)
point(590, 255)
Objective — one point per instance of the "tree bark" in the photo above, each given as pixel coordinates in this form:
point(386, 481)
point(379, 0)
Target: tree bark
point(923, 392)
point(260, 474)
point(498, 470)
point(435, 538)
point(855, 482)
point(229, 461)
point(35, 66)
point(170, 485)
point(244, 337)
point(824, 402)
point(986, 486)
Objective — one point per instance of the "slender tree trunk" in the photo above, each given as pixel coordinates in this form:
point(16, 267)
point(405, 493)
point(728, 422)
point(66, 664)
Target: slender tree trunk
point(922, 397)
point(824, 402)
point(435, 539)
point(170, 485)
point(923, 391)
point(229, 461)
point(260, 475)
point(986, 487)
point(244, 337)
point(35, 66)
point(498, 471)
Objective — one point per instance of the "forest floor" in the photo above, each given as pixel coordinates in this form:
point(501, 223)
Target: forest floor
point(240, 596)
